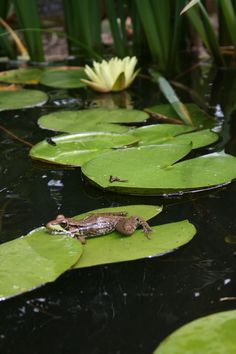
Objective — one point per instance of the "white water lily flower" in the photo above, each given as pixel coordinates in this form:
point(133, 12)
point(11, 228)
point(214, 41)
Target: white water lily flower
point(112, 75)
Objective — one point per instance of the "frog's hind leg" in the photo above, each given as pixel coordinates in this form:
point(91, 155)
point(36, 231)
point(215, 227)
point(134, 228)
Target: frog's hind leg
point(129, 225)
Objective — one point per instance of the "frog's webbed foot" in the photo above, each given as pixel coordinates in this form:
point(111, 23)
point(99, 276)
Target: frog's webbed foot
point(129, 225)
point(81, 239)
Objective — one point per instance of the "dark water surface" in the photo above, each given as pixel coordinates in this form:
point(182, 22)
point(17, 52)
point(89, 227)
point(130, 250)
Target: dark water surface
point(126, 307)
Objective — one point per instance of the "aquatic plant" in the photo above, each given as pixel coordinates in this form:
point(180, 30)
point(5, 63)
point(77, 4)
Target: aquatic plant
point(112, 75)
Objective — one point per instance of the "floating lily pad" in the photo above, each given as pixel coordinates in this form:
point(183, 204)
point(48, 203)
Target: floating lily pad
point(21, 99)
point(168, 133)
point(211, 334)
point(29, 76)
point(198, 139)
point(34, 260)
point(91, 120)
point(115, 247)
point(65, 77)
point(76, 149)
point(157, 173)
point(199, 118)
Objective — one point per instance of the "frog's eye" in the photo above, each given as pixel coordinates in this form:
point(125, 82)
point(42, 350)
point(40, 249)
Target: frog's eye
point(63, 224)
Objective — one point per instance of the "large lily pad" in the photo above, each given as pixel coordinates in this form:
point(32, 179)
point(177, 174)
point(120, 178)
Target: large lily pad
point(91, 120)
point(34, 260)
point(21, 99)
point(199, 118)
point(168, 133)
point(213, 334)
point(65, 77)
point(155, 172)
point(115, 247)
point(76, 149)
point(29, 76)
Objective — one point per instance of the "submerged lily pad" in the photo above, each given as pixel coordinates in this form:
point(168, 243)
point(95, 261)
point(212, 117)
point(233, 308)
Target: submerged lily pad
point(199, 118)
point(65, 77)
point(91, 120)
point(76, 149)
point(21, 99)
point(29, 76)
point(211, 334)
point(174, 133)
point(34, 260)
point(157, 173)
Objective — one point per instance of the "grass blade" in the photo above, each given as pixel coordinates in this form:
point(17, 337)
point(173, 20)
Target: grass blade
point(27, 16)
point(171, 97)
point(117, 32)
point(230, 18)
point(5, 42)
point(82, 22)
point(201, 22)
point(149, 25)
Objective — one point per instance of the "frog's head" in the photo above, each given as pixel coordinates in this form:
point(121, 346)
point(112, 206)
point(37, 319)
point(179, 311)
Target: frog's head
point(58, 226)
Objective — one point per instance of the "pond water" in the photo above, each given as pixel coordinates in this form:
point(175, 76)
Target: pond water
point(126, 307)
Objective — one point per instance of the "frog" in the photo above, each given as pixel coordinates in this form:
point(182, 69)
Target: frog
point(97, 224)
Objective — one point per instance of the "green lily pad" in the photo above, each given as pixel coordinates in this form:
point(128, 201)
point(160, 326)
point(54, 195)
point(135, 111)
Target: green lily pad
point(155, 172)
point(65, 77)
point(199, 118)
point(145, 211)
point(29, 76)
point(168, 133)
point(21, 99)
point(115, 247)
point(198, 139)
point(213, 334)
point(91, 120)
point(76, 149)
point(34, 260)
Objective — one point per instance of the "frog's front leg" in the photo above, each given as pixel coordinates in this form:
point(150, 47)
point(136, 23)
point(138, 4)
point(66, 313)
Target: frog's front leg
point(127, 226)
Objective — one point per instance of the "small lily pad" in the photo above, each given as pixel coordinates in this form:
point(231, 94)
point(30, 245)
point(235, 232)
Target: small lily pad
point(65, 77)
point(213, 334)
point(158, 173)
point(34, 260)
point(91, 120)
point(199, 118)
point(76, 149)
point(21, 99)
point(29, 76)
point(168, 133)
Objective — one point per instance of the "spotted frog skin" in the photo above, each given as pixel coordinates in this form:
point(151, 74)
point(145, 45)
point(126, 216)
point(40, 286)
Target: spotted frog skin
point(97, 224)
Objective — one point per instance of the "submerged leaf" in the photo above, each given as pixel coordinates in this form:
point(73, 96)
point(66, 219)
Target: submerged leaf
point(76, 149)
point(21, 99)
point(211, 334)
point(34, 260)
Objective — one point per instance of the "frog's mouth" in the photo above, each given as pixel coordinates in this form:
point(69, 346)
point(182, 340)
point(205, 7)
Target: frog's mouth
point(58, 230)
